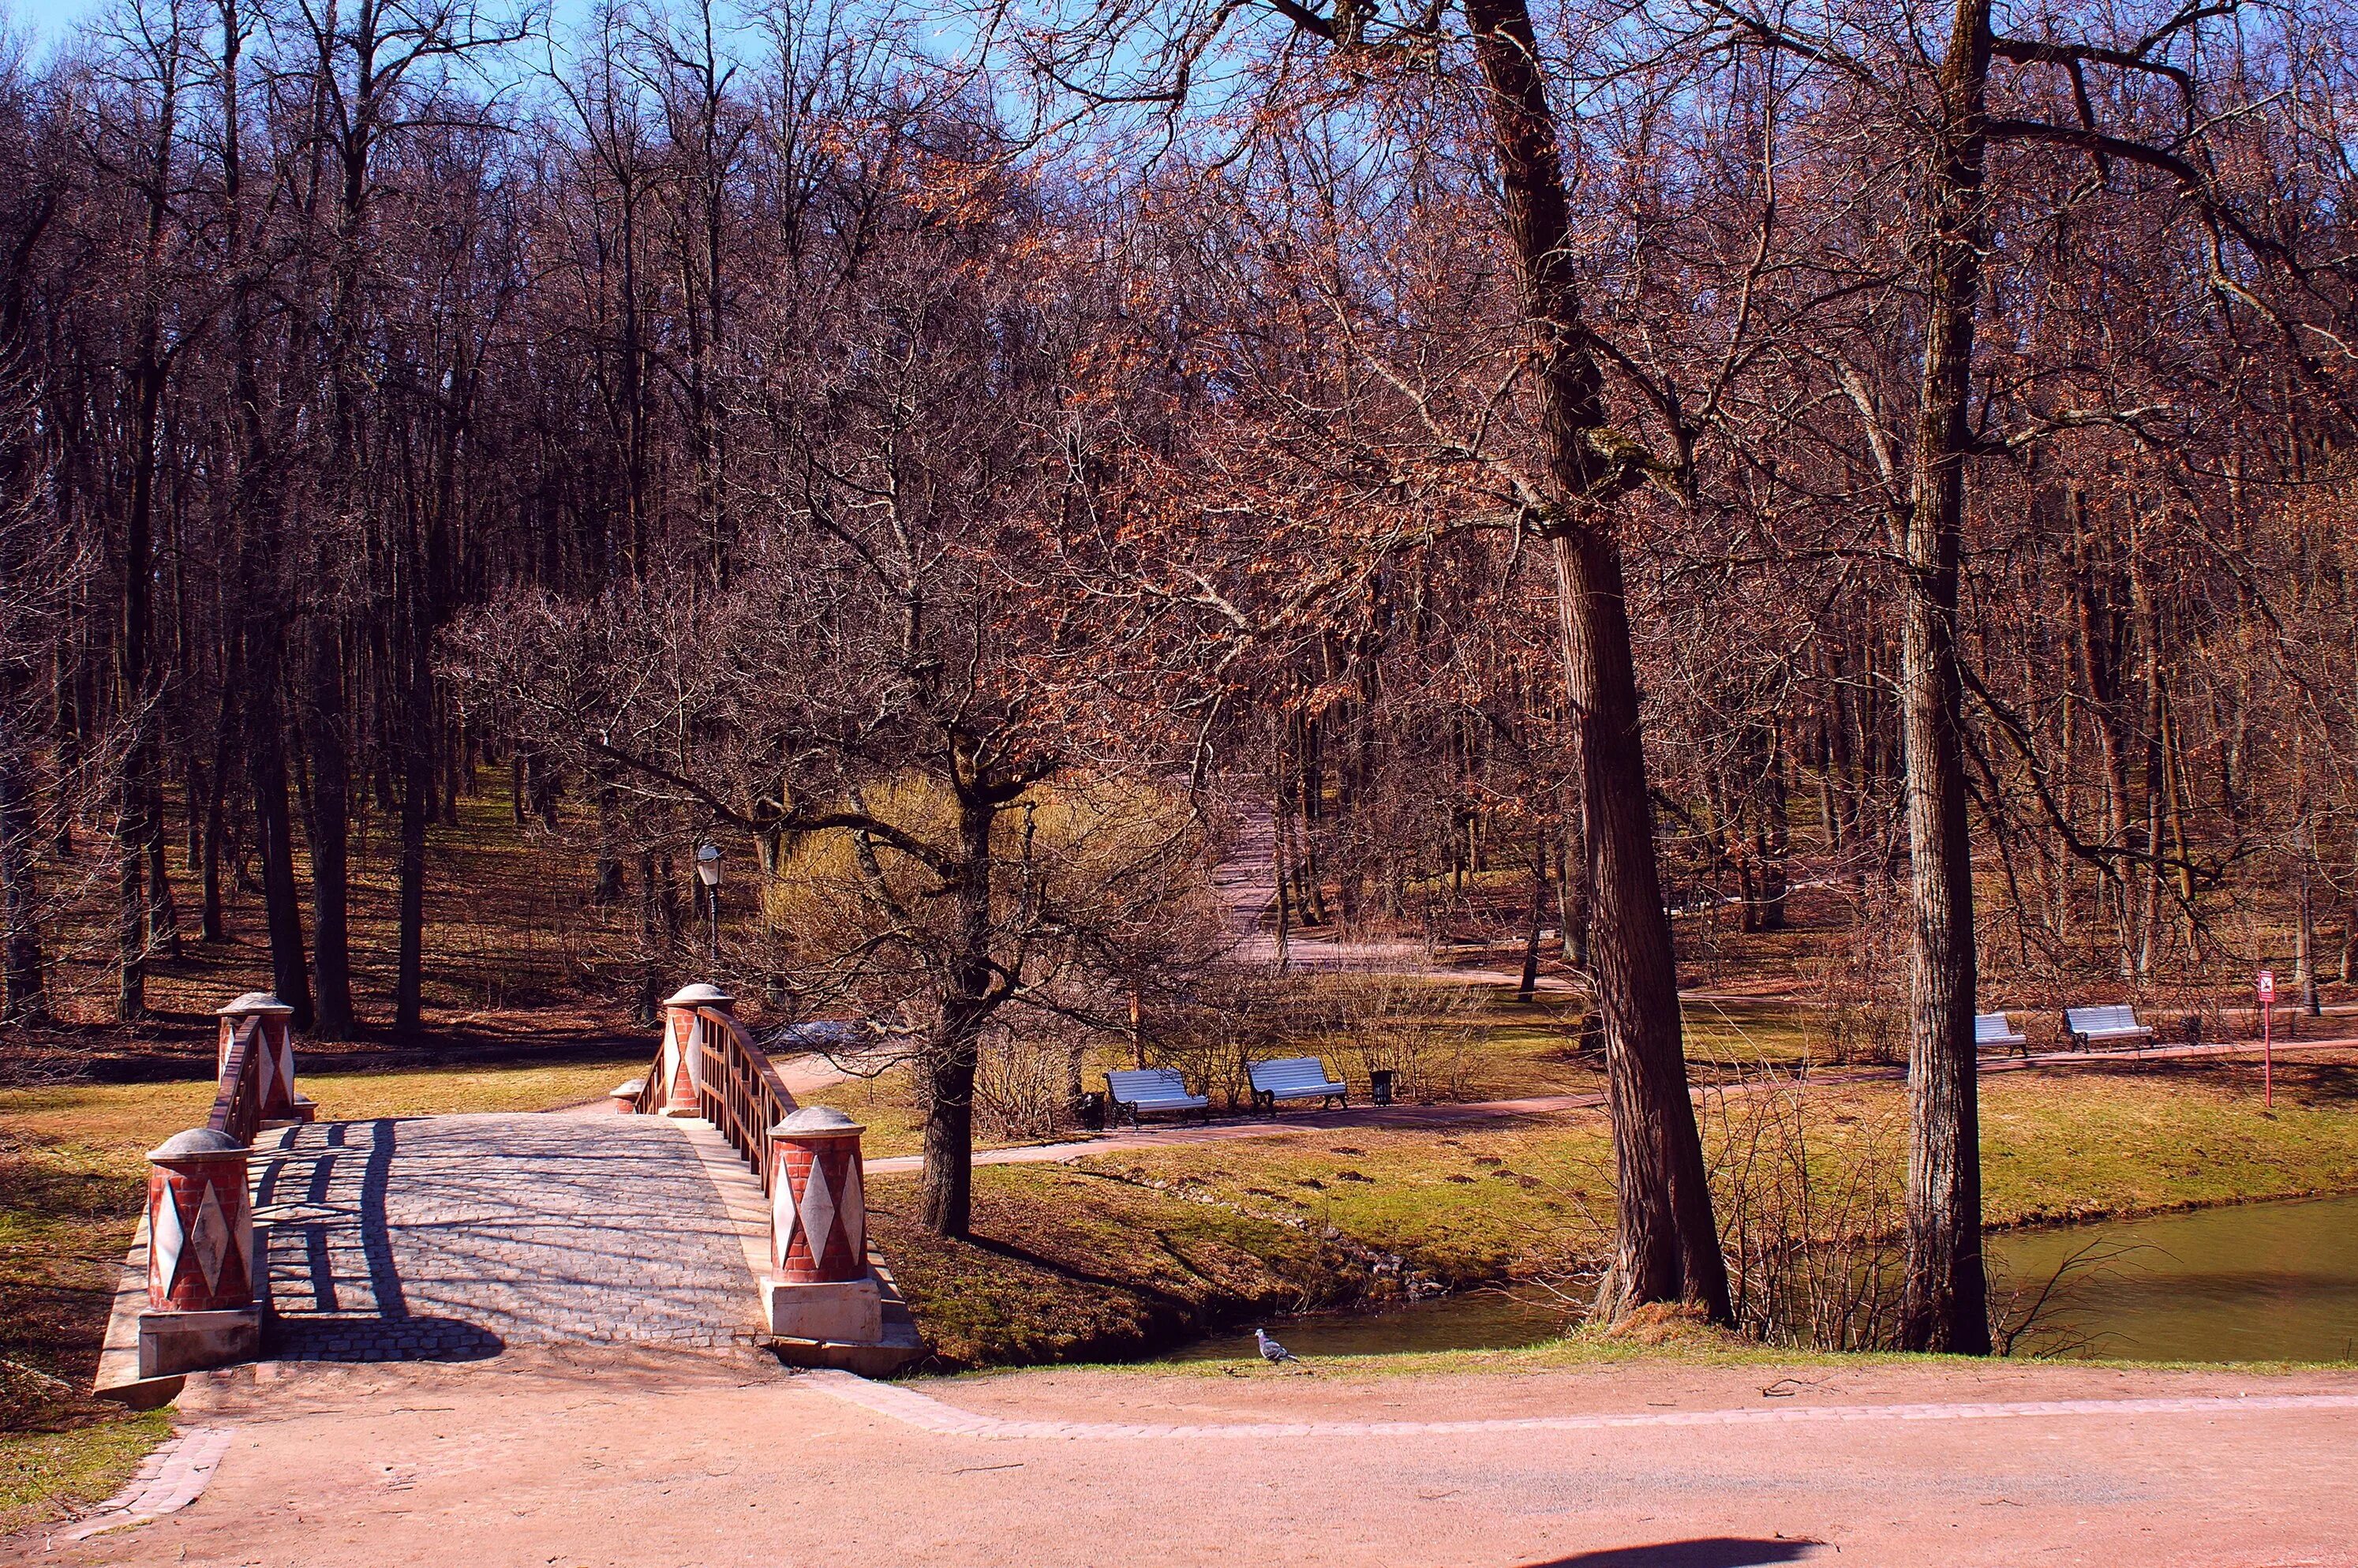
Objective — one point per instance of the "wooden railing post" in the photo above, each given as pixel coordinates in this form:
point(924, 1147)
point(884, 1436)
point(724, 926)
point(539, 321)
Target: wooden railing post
point(823, 1288)
point(202, 1294)
point(274, 1067)
point(682, 1078)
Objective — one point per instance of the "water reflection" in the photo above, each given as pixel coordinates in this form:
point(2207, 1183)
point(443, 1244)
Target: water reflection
point(2275, 1282)
point(1476, 1320)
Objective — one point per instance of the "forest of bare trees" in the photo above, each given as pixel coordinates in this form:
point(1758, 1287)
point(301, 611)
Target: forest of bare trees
point(1666, 453)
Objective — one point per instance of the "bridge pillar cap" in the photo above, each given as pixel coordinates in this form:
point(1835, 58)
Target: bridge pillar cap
point(816, 1122)
point(253, 1001)
point(628, 1089)
point(197, 1144)
point(701, 994)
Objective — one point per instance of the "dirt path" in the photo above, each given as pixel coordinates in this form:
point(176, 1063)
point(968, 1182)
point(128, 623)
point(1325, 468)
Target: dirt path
point(641, 1460)
point(1471, 1112)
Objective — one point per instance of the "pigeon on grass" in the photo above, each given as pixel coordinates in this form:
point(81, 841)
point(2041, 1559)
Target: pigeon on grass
point(1271, 1351)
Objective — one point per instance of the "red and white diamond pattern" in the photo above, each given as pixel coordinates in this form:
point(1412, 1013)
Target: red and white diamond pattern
point(275, 1072)
point(683, 1059)
point(204, 1261)
point(818, 1218)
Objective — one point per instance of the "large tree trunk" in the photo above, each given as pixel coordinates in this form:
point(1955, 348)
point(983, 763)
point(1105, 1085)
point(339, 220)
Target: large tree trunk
point(2097, 622)
point(163, 915)
point(945, 1203)
point(23, 992)
point(210, 927)
point(329, 826)
point(259, 656)
point(1772, 834)
point(416, 809)
point(273, 827)
point(1528, 984)
point(1944, 1305)
point(134, 821)
point(1666, 1249)
point(1572, 891)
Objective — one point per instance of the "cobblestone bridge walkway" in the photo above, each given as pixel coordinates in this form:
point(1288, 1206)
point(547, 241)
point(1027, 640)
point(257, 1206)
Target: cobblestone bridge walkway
point(453, 1237)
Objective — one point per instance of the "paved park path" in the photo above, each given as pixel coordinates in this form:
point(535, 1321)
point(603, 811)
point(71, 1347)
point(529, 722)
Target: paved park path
point(617, 1457)
point(455, 1236)
point(1535, 1107)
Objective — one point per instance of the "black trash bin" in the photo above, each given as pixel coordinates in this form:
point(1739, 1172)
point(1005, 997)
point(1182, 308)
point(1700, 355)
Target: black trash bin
point(1380, 1086)
point(1092, 1110)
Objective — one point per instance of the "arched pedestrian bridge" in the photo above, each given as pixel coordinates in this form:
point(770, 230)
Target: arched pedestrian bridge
point(712, 1214)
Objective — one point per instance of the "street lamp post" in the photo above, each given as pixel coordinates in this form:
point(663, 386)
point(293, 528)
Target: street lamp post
point(707, 872)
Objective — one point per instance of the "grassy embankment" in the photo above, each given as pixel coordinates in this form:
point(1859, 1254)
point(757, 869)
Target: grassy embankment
point(1126, 1252)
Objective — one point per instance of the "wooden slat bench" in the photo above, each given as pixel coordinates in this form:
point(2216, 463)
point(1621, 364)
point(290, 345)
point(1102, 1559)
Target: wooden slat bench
point(1152, 1088)
point(1295, 1077)
point(2105, 1026)
point(1991, 1029)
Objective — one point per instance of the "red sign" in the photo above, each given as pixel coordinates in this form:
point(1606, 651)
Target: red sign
point(2267, 1024)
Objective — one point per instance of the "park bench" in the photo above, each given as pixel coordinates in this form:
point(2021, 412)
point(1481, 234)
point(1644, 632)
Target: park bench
point(1152, 1088)
point(1295, 1077)
point(1991, 1029)
point(2090, 1026)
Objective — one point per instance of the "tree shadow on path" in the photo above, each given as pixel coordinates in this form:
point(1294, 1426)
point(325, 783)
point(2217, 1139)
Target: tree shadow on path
point(1709, 1552)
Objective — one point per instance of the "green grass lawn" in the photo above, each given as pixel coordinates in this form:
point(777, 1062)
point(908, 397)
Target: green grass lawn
point(46, 1475)
point(1535, 1199)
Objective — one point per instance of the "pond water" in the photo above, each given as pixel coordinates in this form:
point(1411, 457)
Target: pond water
point(1474, 1320)
point(2275, 1282)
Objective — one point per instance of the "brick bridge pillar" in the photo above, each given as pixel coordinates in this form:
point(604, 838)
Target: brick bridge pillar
point(822, 1288)
point(201, 1296)
point(683, 1058)
point(274, 1072)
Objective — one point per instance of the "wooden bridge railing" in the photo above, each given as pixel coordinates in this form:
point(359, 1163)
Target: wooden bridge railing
point(821, 1290)
point(742, 1093)
point(733, 1083)
point(237, 1103)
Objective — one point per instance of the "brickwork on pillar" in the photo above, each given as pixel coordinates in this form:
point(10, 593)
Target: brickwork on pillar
point(818, 1218)
point(199, 1226)
point(274, 1050)
point(683, 1061)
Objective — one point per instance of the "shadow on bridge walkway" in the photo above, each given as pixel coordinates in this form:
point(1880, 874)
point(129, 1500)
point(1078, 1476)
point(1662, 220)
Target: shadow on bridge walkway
point(450, 1237)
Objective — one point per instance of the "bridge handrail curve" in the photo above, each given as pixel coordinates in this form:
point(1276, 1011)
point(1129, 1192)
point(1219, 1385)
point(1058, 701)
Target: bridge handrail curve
point(237, 1101)
point(742, 1095)
point(739, 1091)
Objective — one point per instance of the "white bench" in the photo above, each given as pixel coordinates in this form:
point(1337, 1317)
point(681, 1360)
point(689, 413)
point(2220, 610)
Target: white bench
point(1992, 1029)
point(2090, 1026)
point(1152, 1088)
point(1295, 1077)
